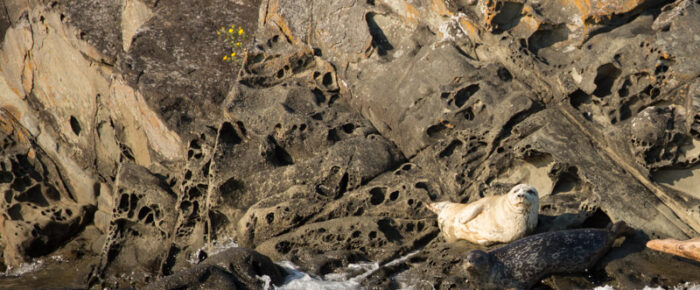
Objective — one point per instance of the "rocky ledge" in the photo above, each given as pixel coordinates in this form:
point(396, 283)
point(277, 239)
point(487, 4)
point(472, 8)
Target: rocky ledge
point(130, 149)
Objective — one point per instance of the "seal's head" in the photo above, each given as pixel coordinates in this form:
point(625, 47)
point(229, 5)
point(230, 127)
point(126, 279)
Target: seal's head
point(477, 261)
point(478, 264)
point(523, 196)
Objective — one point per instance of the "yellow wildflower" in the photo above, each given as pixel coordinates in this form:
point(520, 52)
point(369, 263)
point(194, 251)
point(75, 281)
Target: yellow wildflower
point(238, 44)
point(225, 57)
point(240, 31)
point(230, 30)
point(233, 54)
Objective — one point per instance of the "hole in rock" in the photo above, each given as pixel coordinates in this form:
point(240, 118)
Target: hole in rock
point(605, 78)
point(660, 69)
point(319, 97)
point(394, 195)
point(504, 74)
point(15, 212)
point(578, 97)
point(348, 128)
point(546, 37)
point(468, 114)
point(450, 148)
point(333, 135)
point(279, 156)
point(567, 181)
point(436, 130)
point(508, 16)
point(463, 95)
point(124, 202)
point(378, 194)
point(5, 177)
point(387, 228)
point(333, 99)
point(625, 112)
point(143, 212)
point(343, 185)
point(327, 79)
point(283, 247)
point(8, 196)
point(33, 195)
point(598, 219)
point(228, 135)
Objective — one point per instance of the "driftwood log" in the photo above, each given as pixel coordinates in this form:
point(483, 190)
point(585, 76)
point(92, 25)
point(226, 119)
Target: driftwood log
point(687, 249)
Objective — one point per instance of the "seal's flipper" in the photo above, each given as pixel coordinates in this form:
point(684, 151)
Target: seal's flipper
point(470, 213)
point(620, 229)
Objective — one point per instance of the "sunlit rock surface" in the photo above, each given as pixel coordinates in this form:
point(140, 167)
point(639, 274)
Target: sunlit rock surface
point(129, 148)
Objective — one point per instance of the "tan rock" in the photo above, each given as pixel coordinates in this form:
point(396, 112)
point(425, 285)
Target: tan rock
point(134, 14)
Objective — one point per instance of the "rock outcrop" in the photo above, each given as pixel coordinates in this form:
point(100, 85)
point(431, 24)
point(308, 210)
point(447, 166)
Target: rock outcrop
point(129, 146)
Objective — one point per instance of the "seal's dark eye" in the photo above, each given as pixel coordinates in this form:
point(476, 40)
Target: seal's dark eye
point(530, 191)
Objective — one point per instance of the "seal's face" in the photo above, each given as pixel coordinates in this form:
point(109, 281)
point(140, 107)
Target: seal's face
point(477, 263)
point(522, 196)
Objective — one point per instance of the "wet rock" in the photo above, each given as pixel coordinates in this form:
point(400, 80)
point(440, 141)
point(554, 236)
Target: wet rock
point(236, 268)
point(196, 277)
point(249, 265)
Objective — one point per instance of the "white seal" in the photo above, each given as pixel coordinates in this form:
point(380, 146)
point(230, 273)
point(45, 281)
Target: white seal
point(493, 219)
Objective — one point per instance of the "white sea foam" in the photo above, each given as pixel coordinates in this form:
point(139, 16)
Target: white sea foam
point(23, 268)
point(684, 286)
point(335, 281)
point(26, 268)
point(217, 246)
point(303, 281)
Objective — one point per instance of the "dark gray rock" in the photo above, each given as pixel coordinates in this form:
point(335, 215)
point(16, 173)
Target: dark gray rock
point(236, 268)
point(199, 277)
point(175, 61)
point(5, 20)
point(248, 265)
point(98, 23)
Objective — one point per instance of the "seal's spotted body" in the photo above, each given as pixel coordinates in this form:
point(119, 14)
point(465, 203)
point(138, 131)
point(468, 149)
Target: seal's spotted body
point(522, 263)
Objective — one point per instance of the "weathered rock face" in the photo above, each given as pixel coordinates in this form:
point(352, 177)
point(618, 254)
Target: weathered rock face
point(39, 212)
point(129, 145)
point(232, 269)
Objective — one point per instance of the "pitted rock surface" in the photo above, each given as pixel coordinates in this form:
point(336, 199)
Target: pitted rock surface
point(132, 151)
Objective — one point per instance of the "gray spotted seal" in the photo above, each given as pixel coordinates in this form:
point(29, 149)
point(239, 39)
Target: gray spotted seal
point(521, 264)
point(492, 219)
